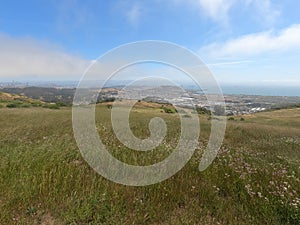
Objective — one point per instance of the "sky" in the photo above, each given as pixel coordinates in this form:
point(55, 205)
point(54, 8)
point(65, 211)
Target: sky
point(241, 41)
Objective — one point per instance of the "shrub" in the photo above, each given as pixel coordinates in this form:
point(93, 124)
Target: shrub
point(242, 119)
point(61, 104)
point(231, 118)
point(12, 105)
point(36, 104)
point(25, 105)
point(167, 110)
point(202, 110)
point(51, 106)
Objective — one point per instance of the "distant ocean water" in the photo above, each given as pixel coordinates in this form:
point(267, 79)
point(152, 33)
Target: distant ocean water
point(243, 89)
point(262, 90)
point(256, 90)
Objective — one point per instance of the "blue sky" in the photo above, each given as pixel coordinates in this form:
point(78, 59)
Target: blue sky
point(242, 41)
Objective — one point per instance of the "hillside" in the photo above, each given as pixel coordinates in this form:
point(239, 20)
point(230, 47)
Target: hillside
point(44, 94)
point(44, 179)
point(21, 101)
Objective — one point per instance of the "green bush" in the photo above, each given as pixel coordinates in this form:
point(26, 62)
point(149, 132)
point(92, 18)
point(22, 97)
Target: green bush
point(12, 105)
point(202, 110)
point(51, 106)
point(36, 104)
point(167, 110)
point(61, 104)
point(25, 105)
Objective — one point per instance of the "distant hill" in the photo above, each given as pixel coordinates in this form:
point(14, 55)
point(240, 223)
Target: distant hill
point(44, 94)
point(58, 95)
point(9, 100)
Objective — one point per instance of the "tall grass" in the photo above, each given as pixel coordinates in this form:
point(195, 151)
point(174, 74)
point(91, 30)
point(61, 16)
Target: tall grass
point(44, 180)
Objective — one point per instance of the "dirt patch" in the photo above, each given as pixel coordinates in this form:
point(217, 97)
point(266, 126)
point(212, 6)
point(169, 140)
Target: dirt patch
point(47, 219)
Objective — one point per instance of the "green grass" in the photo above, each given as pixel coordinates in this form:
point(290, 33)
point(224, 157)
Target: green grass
point(253, 180)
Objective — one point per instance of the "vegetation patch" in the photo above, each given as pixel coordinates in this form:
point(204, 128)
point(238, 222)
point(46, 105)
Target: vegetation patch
point(253, 180)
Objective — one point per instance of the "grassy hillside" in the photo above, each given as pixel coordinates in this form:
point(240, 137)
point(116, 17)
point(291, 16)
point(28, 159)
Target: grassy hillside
point(44, 180)
point(46, 94)
point(21, 101)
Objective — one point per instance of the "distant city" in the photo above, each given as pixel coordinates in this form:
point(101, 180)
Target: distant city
point(231, 89)
point(237, 102)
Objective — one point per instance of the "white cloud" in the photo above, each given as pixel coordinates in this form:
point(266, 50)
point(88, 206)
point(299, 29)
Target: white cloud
point(256, 44)
point(229, 63)
point(219, 10)
point(27, 58)
point(131, 10)
point(216, 9)
point(265, 10)
point(133, 15)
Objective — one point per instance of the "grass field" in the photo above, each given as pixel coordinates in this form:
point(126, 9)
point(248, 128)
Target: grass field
point(255, 178)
